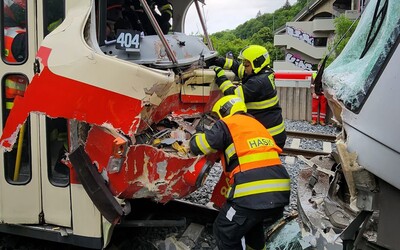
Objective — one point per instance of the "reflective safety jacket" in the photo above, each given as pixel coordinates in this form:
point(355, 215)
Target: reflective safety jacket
point(14, 44)
point(15, 86)
point(250, 158)
point(261, 98)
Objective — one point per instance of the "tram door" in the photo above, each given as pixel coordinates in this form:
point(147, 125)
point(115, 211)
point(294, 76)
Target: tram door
point(34, 181)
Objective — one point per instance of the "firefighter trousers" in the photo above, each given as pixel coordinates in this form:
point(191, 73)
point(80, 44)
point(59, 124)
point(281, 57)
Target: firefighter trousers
point(234, 222)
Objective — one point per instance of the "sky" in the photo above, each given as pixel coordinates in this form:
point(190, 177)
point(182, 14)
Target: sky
point(228, 14)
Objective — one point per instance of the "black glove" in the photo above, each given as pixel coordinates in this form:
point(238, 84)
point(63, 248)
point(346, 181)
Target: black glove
point(220, 61)
point(220, 76)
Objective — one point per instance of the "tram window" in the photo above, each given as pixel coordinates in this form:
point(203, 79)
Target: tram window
point(14, 31)
point(53, 14)
point(17, 162)
point(57, 147)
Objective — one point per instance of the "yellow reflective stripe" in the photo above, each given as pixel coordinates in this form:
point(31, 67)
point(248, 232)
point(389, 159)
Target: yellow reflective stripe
point(220, 73)
point(263, 186)
point(14, 85)
point(54, 25)
point(226, 85)
point(314, 75)
point(166, 7)
point(9, 105)
point(239, 92)
point(169, 12)
point(203, 144)
point(271, 78)
point(241, 71)
point(263, 104)
point(277, 129)
point(257, 157)
point(229, 152)
point(228, 63)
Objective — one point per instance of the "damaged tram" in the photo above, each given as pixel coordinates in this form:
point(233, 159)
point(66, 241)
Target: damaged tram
point(351, 199)
point(92, 121)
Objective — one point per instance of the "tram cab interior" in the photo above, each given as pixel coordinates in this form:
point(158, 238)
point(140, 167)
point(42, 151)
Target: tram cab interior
point(127, 32)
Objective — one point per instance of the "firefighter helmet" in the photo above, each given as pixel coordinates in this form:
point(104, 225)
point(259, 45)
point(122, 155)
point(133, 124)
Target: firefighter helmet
point(257, 55)
point(229, 105)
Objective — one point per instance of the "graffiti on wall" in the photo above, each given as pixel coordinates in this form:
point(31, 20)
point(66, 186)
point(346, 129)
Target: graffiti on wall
point(299, 34)
point(296, 60)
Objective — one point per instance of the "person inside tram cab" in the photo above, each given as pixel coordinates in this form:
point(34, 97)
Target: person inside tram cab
point(14, 31)
point(129, 14)
point(162, 11)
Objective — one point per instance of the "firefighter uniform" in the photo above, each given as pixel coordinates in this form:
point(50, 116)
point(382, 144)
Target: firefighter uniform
point(231, 64)
point(260, 95)
point(259, 184)
point(257, 90)
point(318, 105)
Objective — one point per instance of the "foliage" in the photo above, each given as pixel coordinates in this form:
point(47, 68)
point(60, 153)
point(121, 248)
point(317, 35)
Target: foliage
point(343, 32)
point(258, 30)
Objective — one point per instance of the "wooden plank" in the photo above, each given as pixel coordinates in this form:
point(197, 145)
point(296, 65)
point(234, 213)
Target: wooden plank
point(297, 103)
point(289, 102)
point(303, 105)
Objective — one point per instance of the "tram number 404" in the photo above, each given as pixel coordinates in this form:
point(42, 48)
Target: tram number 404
point(128, 40)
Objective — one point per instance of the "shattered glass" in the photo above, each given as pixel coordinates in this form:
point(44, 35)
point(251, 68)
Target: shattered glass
point(350, 77)
point(288, 238)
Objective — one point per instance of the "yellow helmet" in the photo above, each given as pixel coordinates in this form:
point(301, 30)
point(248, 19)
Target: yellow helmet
point(257, 55)
point(229, 105)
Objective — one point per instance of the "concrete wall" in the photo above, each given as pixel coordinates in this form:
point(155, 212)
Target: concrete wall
point(295, 99)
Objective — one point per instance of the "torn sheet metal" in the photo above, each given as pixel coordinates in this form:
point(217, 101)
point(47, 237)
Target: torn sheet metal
point(319, 230)
point(57, 96)
point(147, 171)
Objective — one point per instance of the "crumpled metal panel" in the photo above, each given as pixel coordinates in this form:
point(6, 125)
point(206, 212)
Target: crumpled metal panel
point(147, 172)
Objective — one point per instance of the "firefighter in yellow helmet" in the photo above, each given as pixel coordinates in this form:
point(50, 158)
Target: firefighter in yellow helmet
point(257, 90)
point(259, 186)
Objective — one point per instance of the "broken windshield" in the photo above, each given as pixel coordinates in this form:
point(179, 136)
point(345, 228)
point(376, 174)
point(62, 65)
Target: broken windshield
point(354, 72)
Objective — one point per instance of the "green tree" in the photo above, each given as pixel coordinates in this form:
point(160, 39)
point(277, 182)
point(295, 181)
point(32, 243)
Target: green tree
point(344, 28)
point(259, 30)
point(264, 35)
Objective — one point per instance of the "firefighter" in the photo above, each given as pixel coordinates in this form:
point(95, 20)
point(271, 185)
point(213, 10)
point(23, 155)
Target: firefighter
point(259, 186)
point(318, 105)
point(134, 17)
point(257, 90)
